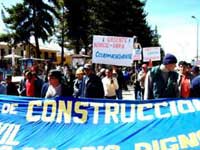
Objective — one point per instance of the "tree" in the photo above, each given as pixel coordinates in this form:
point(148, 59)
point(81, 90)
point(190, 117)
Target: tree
point(79, 20)
point(117, 18)
point(61, 26)
point(13, 35)
point(30, 18)
point(78, 23)
point(156, 37)
point(122, 18)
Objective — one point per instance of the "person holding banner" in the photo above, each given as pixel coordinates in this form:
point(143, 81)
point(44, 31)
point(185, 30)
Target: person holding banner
point(55, 86)
point(11, 86)
point(162, 81)
point(195, 83)
point(184, 79)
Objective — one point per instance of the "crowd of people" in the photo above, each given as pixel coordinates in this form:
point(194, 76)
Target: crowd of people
point(167, 80)
point(170, 80)
point(85, 82)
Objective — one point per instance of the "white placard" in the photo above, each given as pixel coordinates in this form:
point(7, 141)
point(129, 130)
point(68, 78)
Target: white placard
point(151, 53)
point(112, 50)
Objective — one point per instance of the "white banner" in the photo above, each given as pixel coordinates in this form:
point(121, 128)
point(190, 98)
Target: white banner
point(151, 53)
point(112, 50)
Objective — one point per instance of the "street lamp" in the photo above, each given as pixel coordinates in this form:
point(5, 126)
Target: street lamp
point(197, 35)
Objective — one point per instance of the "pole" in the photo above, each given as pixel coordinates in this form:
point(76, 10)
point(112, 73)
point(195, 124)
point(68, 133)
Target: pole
point(197, 40)
point(197, 36)
point(62, 38)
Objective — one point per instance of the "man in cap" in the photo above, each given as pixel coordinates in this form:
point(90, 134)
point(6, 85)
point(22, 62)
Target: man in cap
point(162, 81)
point(92, 86)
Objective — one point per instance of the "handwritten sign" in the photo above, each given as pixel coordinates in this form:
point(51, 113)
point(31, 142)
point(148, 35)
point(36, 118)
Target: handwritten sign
point(112, 50)
point(151, 53)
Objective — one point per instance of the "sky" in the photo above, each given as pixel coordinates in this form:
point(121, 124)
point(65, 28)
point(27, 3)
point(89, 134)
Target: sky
point(6, 3)
point(177, 28)
point(173, 19)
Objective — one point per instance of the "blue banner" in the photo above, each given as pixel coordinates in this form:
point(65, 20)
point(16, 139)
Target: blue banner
point(98, 124)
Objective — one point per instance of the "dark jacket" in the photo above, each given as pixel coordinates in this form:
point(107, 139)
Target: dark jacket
point(195, 87)
point(12, 89)
point(38, 86)
point(162, 89)
point(93, 88)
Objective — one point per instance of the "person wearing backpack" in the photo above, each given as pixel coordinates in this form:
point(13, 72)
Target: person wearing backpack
point(162, 81)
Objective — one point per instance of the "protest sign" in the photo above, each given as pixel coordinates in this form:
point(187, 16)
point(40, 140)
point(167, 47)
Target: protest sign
point(151, 53)
point(112, 50)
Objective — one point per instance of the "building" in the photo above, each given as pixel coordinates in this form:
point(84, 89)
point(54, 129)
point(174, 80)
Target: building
point(51, 52)
point(28, 51)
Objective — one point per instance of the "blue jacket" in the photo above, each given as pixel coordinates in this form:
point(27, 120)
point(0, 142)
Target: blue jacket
point(195, 87)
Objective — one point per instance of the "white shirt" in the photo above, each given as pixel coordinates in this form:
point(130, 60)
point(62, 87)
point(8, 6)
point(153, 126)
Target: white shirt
point(53, 91)
point(110, 88)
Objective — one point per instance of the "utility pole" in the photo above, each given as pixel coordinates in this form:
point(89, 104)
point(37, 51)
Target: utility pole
point(197, 38)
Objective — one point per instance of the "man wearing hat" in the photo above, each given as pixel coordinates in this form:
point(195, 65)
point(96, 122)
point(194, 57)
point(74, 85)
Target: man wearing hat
point(92, 86)
point(162, 81)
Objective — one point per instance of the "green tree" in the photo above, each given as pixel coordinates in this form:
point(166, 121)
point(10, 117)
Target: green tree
point(122, 18)
point(117, 18)
point(156, 37)
point(78, 23)
point(61, 27)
